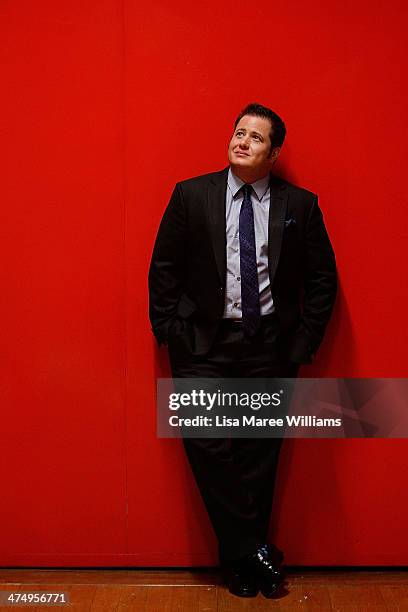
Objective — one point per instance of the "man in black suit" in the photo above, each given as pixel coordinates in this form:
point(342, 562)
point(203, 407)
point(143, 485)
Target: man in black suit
point(242, 283)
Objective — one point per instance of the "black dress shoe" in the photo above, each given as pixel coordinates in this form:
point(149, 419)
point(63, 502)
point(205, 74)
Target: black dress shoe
point(275, 555)
point(266, 563)
point(241, 579)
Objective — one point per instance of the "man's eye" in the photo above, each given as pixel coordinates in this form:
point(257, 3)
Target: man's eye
point(257, 137)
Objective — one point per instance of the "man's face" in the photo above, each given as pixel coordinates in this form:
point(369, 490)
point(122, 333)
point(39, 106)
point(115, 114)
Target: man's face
point(250, 145)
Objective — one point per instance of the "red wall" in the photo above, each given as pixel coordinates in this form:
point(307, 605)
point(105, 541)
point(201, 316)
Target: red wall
point(105, 105)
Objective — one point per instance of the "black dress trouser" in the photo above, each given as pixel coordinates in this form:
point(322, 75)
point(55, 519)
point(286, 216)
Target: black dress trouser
point(235, 476)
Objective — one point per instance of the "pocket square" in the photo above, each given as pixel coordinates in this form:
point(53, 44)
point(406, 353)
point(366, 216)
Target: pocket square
point(289, 222)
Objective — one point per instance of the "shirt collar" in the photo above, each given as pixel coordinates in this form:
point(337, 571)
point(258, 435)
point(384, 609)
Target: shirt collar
point(260, 187)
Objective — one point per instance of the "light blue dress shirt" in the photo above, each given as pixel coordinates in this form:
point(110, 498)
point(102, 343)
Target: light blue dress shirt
point(261, 198)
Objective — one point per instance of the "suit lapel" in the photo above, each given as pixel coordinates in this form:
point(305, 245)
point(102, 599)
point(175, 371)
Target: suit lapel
point(216, 217)
point(277, 214)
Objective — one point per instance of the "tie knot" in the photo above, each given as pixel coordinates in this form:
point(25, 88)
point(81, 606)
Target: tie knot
point(247, 188)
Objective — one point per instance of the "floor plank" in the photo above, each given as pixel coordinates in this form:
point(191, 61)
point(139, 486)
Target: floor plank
point(395, 596)
point(117, 590)
point(106, 598)
point(356, 597)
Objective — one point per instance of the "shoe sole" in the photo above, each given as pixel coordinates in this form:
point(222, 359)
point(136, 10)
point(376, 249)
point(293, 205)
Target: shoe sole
point(245, 595)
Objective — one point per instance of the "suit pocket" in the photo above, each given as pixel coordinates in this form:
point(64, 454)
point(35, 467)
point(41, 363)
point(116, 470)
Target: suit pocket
point(177, 327)
point(186, 307)
point(179, 340)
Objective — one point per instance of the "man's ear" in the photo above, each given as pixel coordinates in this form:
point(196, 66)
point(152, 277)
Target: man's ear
point(274, 154)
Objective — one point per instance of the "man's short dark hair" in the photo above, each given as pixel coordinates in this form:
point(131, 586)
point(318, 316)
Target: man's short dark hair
point(278, 129)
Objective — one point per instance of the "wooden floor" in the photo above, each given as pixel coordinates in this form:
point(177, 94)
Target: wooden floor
point(108, 590)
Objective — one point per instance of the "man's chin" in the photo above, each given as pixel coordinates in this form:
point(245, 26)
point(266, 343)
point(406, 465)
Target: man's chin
point(241, 161)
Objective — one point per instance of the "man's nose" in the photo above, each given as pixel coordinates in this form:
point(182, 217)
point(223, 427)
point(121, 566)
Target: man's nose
point(244, 142)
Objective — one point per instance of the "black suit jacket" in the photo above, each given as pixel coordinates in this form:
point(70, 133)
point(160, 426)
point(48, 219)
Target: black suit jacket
point(188, 268)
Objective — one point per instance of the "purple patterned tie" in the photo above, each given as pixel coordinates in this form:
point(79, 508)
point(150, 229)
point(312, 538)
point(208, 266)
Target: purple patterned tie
point(251, 308)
